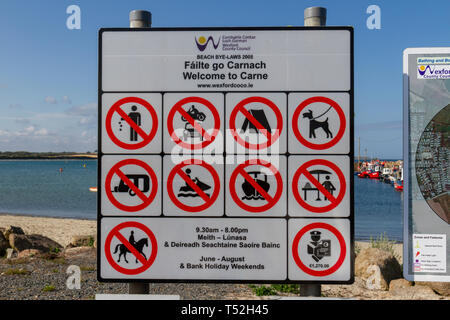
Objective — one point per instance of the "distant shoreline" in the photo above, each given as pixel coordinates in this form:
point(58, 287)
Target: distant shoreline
point(59, 157)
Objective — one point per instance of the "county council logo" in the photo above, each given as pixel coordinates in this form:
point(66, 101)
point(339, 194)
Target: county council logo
point(202, 43)
point(423, 69)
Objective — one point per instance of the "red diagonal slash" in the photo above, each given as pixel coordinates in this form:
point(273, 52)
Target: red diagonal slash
point(255, 185)
point(192, 184)
point(132, 186)
point(256, 123)
point(132, 124)
point(194, 123)
point(319, 186)
point(130, 247)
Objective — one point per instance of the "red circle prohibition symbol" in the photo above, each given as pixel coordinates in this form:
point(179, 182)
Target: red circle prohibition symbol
point(146, 201)
point(147, 138)
point(271, 138)
point(207, 138)
point(334, 201)
point(309, 144)
point(146, 263)
point(271, 201)
point(208, 200)
point(333, 268)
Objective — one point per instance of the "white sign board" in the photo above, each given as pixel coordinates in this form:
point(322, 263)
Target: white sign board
point(426, 143)
point(209, 141)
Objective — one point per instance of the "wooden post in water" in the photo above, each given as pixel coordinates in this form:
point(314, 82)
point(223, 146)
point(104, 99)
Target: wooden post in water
point(313, 17)
point(139, 19)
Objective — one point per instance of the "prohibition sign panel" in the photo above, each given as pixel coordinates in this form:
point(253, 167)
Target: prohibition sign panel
point(194, 122)
point(319, 186)
point(319, 250)
point(131, 185)
point(184, 252)
point(319, 123)
point(131, 123)
point(193, 187)
point(257, 187)
point(256, 122)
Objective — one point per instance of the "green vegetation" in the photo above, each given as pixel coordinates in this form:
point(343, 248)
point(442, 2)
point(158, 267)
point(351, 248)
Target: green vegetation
point(87, 268)
point(275, 289)
point(382, 242)
point(49, 288)
point(14, 271)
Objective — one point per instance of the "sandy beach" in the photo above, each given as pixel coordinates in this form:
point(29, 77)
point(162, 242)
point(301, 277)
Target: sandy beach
point(59, 229)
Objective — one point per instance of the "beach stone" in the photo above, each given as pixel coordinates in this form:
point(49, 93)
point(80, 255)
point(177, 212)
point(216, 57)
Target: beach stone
point(442, 288)
point(13, 230)
point(11, 253)
point(4, 244)
point(28, 253)
point(414, 292)
point(399, 284)
point(377, 267)
point(22, 242)
point(79, 252)
point(82, 241)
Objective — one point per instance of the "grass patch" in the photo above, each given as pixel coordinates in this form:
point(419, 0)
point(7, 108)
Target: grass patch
point(87, 268)
point(49, 288)
point(287, 288)
point(17, 261)
point(263, 290)
point(15, 271)
point(382, 242)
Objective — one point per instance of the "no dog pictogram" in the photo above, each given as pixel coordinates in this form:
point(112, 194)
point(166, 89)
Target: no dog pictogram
point(257, 120)
point(301, 264)
point(135, 128)
point(136, 249)
point(313, 124)
point(132, 188)
point(194, 187)
point(324, 189)
point(256, 188)
point(193, 127)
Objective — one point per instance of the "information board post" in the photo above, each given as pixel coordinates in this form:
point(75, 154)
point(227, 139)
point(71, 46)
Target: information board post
point(139, 19)
point(313, 17)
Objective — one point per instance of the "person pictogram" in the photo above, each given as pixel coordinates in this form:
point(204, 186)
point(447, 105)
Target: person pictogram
point(136, 118)
point(188, 191)
point(138, 245)
point(328, 186)
point(318, 248)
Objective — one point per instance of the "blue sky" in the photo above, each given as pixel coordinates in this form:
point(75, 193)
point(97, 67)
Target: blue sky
point(48, 73)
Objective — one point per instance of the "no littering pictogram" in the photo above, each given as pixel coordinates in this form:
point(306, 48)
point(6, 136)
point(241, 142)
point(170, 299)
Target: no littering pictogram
point(136, 250)
point(306, 141)
point(117, 170)
point(271, 134)
point(321, 189)
point(301, 264)
point(268, 200)
point(194, 186)
point(195, 128)
point(146, 137)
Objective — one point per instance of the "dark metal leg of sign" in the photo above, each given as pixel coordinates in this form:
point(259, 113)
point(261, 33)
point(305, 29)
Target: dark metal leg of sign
point(138, 288)
point(313, 17)
point(139, 19)
point(310, 290)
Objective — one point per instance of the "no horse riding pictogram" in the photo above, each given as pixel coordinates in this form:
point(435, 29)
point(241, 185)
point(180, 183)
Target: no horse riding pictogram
point(121, 246)
point(140, 135)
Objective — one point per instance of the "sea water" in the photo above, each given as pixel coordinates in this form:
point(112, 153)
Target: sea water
point(60, 188)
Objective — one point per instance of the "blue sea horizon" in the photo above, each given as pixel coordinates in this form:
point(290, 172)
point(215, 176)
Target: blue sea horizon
point(38, 188)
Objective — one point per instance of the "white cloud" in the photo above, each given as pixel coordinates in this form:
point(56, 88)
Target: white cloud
point(51, 100)
point(66, 99)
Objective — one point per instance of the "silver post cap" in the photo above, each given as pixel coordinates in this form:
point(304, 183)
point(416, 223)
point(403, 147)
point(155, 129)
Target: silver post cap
point(141, 17)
